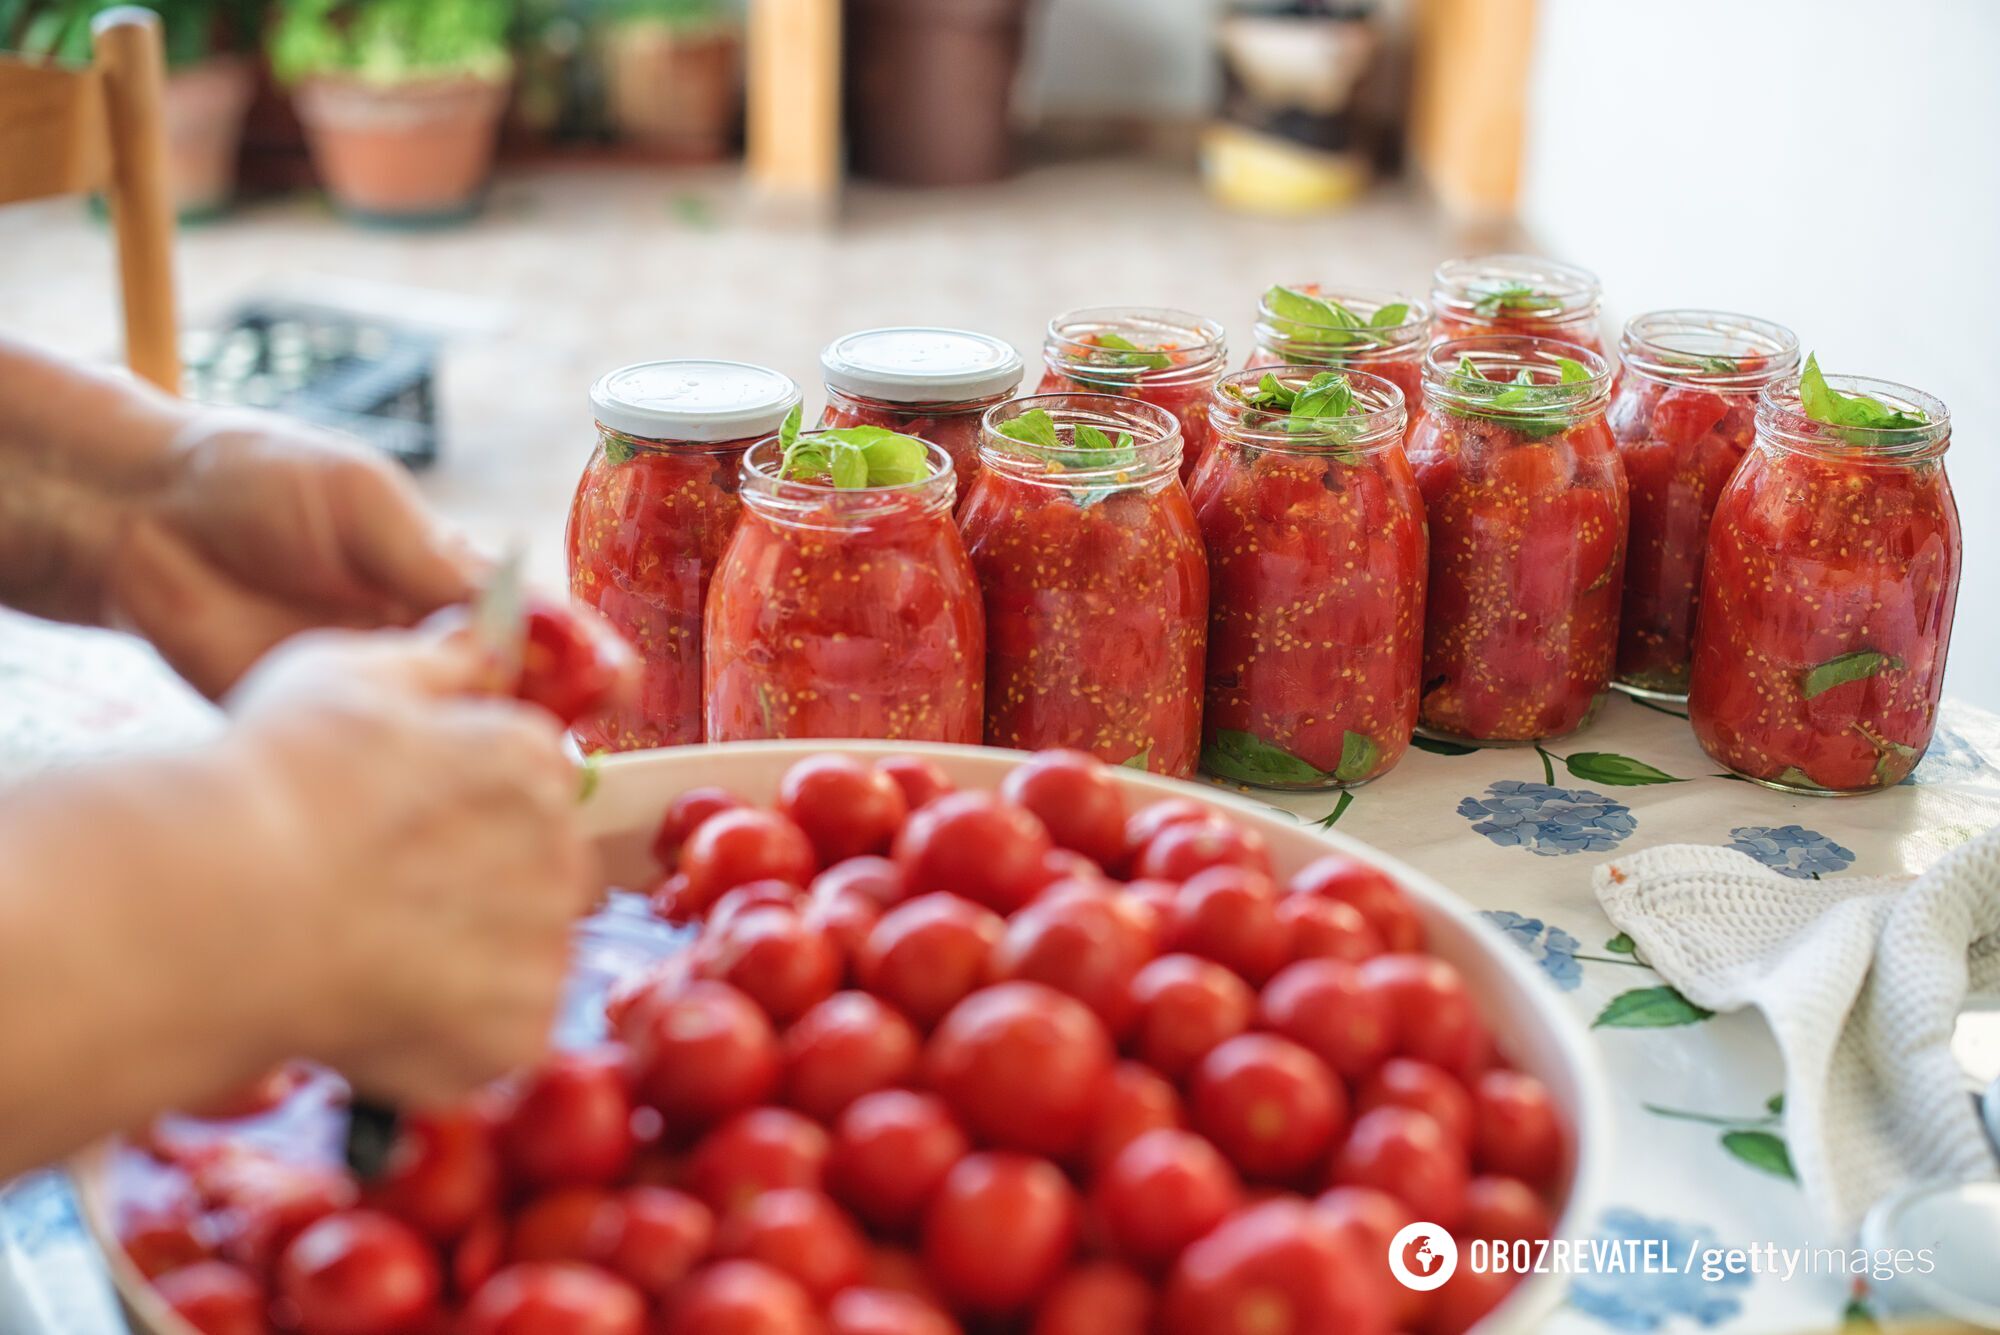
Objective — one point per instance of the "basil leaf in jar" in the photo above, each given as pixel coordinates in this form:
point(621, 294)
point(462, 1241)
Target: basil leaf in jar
point(1127, 353)
point(1358, 757)
point(1315, 321)
point(1390, 316)
point(617, 449)
point(1857, 666)
point(1248, 758)
point(1516, 298)
point(854, 457)
point(1823, 403)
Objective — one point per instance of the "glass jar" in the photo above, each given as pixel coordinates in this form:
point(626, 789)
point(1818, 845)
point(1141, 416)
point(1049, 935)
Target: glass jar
point(653, 511)
point(844, 612)
point(934, 384)
point(1516, 294)
point(1683, 414)
point(1827, 597)
point(1526, 503)
point(1096, 586)
point(1316, 567)
point(1167, 358)
point(1292, 333)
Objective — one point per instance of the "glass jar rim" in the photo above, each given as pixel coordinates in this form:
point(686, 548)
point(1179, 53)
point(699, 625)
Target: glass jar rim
point(1156, 435)
point(1782, 420)
point(1445, 386)
point(1462, 285)
point(1384, 417)
point(1387, 341)
point(823, 505)
point(1205, 343)
point(1704, 347)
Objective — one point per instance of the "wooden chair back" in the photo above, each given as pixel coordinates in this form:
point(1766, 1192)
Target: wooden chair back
point(70, 131)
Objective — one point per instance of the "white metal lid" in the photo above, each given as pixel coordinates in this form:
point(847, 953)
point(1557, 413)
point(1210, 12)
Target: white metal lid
point(917, 365)
point(693, 400)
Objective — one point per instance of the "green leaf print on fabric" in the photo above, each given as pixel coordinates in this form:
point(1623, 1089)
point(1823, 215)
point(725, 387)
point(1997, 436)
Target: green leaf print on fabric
point(1618, 771)
point(1649, 1008)
point(1762, 1151)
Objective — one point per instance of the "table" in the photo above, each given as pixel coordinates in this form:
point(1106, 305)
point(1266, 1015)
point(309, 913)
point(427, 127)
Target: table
point(1700, 1149)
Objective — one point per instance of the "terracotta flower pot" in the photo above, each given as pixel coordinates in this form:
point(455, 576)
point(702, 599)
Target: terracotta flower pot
point(931, 86)
point(674, 87)
point(405, 154)
point(205, 107)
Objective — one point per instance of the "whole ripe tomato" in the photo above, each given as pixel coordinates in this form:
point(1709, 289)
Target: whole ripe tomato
point(571, 1124)
point(1021, 1064)
point(443, 1171)
point(157, 1240)
point(1068, 865)
point(734, 904)
point(1076, 797)
point(1369, 1220)
point(846, 808)
point(1161, 1192)
point(1186, 847)
point(976, 846)
point(567, 1224)
point(215, 1297)
point(922, 781)
point(1271, 1106)
point(741, 1298)
point(261, 1202)
point(774, 957)
point(684, 815)
point(478, 1254)
point(701, 1052)
point(1096, 1298)
point(1330, 929)
point(1463, 1301)
point(800, 1233)
point(1142, 825)
point(764, 1149)
point(359, 1272)
point(1408, 1155)
point(875, 879)
point(1229, 914)
point(865, 1311)
point(541, 1298)
point(846, 1046)
point(1321, 1005)
point(1430, 1012)
point(1504, 1208)
point(741, 845)
point(999, 1230)
point(1082, 940)
point(662, 1235)
point(1185, 1006)
point(1416, 1084)
point(1135, 1099)
point(928, 953)
point(572, 662)
point(1273, 1267)
point(1369, 889)
point(1517, 1129)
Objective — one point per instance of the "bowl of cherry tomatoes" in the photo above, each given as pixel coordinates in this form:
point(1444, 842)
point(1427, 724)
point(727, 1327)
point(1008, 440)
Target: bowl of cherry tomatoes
point(920, 1040)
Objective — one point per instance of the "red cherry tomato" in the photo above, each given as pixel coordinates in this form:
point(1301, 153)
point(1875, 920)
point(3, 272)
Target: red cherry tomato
point(1408, 1155)
point(1186, 847)
point(999, 1230)
point(890, 1151)
point(262, 1202)
point(1161, 1192)
point(742, 1298)
point(1503, 1209)
point(663, 1234)
point(764, 1149)
point(443, 1172)
point(1369, 1221)
point(549, 1298)
point(1321, 1005)
point(928, 953)
point(159, 1240)
point(1518, 1131)
point(684, 815)
point(1229, 914)
point(701, 1052)
point(1273, 1267)
point(1431, 1013)
point(478, 1254)
point(1148, 821)
point(572, 661)
point(1186, 1006)
point(572, 1123)
point(974, 845)
point(1135, 1099)
point(1326, 929)
point(732, 848)
point(359, 1272)
point(1076, 797)
point(848, 1045)
point(1269, 1104)
point(901, 1271)
point(568, 1224)
point(1463, 1301)
point(846, 808)
point(877, 880)
point(1021, 1064)
point(864, 1311)
point(1410, 1083)
point(772, 956)
point(801, 1233)
point(1098, 1298)
point(922, 781)
point(216, 1298)
point(734, 904)
point(1061, 865)
point(1081, 940)
point(1368, 889)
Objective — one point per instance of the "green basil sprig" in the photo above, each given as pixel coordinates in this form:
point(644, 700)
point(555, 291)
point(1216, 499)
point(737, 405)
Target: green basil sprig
point(852, 457)
point(1087, 447)
point(1532, 408)
point(1117, 350)
point(1322, 322)
point(1515, 299)
point(1823, 403)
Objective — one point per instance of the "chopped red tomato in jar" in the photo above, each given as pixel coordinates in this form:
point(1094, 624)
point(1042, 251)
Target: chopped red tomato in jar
point(1170, 359)
point(1516, 294)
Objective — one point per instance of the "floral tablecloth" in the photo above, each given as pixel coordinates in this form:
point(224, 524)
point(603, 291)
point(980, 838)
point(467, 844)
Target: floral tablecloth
point(1700, 1155)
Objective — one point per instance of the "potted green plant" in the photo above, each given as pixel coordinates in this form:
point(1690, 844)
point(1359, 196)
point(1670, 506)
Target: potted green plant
point(673, 74)
point(210, 80)
point(401, 100)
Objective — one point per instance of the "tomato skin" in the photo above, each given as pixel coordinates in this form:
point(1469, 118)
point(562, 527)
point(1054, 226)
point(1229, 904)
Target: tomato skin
point(544, 1298)
point(1135, 1099)
point(867, 1311)
point(1021, 1065)
point(764, 1149)
point(740, 845)
point(1408, 1155)
point(215, 1297)
point(928, 953)
point(359, 1272)
point(802, 1234)
point(443, 1172)
point(1321, 1005)
point(1075, 796)
point(1186, 1006)
point(684, 815)
point(999, 1230)
point(1273, 1266)
point(261, 1202)
point(571, 1125)
point(848, 1045)
point(1082, 941)
point(771, 955)
point(1328, 929)
point(847, 809)
point(1145, 824)
point(568, 1224)
point(701, 1052)
point(1463, 1301)
point(1504, 1209)
point(1097, 1298)
point(1519, 1132)
point(1160, 1193)
point(1269, 1104)
point(1189, 846)
point(1409, 1083)
point(572, 662)
point(1430, 1011)
point(922, 781)
point(159, 1240)
point(974, 845)
point(891, 1150)
point(1229, 914)
point(1369, 1221)
point(1379, 900)
point(875, 879)
point(662, 1236)
point(741, 1298)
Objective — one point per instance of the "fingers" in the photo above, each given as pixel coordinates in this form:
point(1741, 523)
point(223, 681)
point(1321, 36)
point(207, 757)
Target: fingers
point(397, 546)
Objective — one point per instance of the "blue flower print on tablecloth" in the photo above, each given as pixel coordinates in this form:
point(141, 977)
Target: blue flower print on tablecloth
point(1949, 759)
point(1633, 1299)
point(1791, 850)
point(1547, 945)
point(1548, 821)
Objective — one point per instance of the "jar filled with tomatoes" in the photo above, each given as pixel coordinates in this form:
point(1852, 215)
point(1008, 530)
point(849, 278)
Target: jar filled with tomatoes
point(845, 606)
point(1167, 358)
point(1683, 415)
point(1095, 581)
point(655, 507)
point(1827, 595)
point(934, 384)
point(1309, 324)
point(1516, 294)
point(1316, 562)
point(1526, 503)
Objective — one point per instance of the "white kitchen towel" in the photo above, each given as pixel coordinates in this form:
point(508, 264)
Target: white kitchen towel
point(1860, 978)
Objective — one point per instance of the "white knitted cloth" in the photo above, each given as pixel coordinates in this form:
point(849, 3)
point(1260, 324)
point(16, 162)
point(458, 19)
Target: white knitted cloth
point(1860, 978)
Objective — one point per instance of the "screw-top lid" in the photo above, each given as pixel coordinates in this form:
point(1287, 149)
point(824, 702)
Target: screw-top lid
point(914, 365)
point(693, 400)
